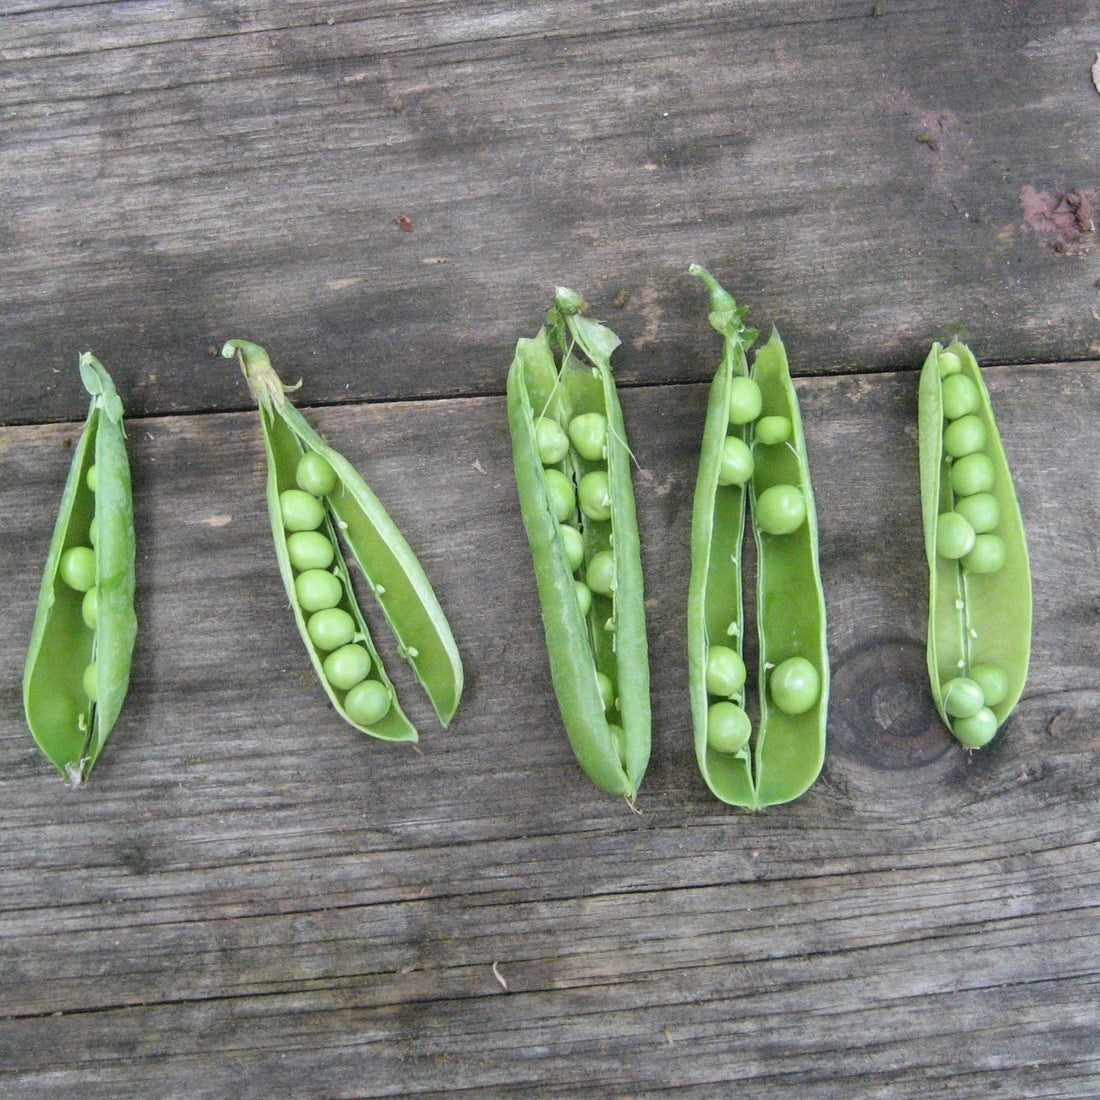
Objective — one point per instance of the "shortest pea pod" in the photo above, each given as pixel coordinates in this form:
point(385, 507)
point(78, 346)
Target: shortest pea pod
point(313, 491)
point(78, 662)
point(572, 467)
point(979, 599)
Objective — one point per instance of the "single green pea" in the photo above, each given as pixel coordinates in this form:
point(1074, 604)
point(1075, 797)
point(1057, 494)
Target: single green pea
point(367, 703)
point(93, 530)
point(91, 682)
point(594, 492)
point(950, 363)
point(772, 429)
point(347, 666)
point(746, 400)
point(589, 435)
point(331, 628)
point(954, 536)
point(981, 511)
point(987, 555)
point(964, 436)
point(300, 511)
point(971, 474)
point(574, 547)
point(607, 690)
point(550, 441)
point(726, 671)
point(317, 589)
point(960, 396)
point(962, 697)
point(77, 567)
point(728, 727)
point(315, 474)
point(977, 730)
point(562, 496)
point(584, 598)
point(310, 550)
point(780, 509)
point(737, 462)
point(600, 575)
point(91, 478)
point(993, 682)
point(795, 685)
point(618, 739)
point(89, 608)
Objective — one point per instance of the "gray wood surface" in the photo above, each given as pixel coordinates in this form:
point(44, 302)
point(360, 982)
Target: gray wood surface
point(250, 899)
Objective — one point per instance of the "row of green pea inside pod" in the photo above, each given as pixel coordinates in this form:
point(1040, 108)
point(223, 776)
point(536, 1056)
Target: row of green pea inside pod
point(572, 465)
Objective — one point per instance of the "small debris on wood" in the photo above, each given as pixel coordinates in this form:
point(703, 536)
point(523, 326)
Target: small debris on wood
point(1096, 73)
point(620, 299)
point(499, 976)
point(1058, 726)
point(404, 222)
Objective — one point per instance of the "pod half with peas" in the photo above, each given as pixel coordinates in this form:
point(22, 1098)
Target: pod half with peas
point(78, 662)
point(753, 459)
point(979, 599)
point(572, 466)
point(313, 491)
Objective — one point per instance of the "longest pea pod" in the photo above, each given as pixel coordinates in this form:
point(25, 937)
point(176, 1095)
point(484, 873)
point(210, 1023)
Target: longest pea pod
point(753, 454)
point(303, 468)
point(78, 663)
point(577, 503)
point(979, 598)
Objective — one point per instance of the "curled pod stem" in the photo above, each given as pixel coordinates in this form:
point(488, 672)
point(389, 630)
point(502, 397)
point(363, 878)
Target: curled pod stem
point(979, 610)
point(598, 653)
point(392, 571)
point(759, 412)
point(78, 665)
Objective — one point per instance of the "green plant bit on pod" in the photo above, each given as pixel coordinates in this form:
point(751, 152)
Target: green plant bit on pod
point(595, 633)
point(78, 663)
point(784, 756)
point(979, 601)
point(297, 455)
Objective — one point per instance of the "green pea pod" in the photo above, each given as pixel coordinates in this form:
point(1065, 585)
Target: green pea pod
point(979, 599)
point(78, 662)
point(598, 656)
point(391, 569)
point(765, 467)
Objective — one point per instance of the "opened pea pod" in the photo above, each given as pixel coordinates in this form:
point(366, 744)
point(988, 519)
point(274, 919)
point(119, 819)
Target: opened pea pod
point(979, 600)
point(572, 466)
point(313, 491)
point(753, 458)
point(78, 663)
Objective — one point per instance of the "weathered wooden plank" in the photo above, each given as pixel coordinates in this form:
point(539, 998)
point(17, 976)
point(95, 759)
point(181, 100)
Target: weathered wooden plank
point(176, 174)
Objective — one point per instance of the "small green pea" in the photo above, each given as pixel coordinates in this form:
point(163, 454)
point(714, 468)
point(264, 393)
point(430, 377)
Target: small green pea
point(772, 429)
point(960, 396)
point(89, 608)
point(607, 690)
point(589, 435)
point(315, 475)
point(981, 511)
point(550, 441)
point(971, 474)
point(728, 727)
point(300, 511)
point(584, 598)
point(91, 478)
point(310, 550)
point(93, 530)
point(574, 547)
point(964, 436)
point(737, 462)
point(950, 363)
point(560, 492)
point(77, 567)
point(795, 685)
point(726, 671)
point(595, 495)
point(746, 400)
point(91, 682)
point(618, 739)
point(962, 697)
point(367, 703)
point(347, 666)
point(330, 628)
point(977, 730)
point(993, 682)
point(780, 509)
point(600, 575)
point(317, 589)
point(986, 556)
point(954, 536)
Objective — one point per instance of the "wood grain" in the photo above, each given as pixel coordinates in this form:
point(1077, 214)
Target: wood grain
point(251, 899)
